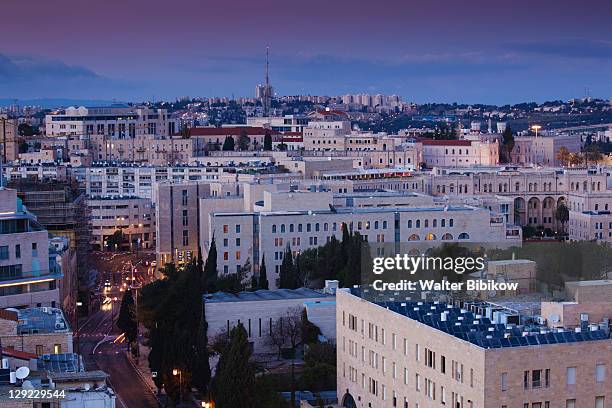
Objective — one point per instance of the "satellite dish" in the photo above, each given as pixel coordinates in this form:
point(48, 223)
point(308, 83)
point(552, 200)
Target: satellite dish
point(22, 372)
point(554, 318)
point(27, 385)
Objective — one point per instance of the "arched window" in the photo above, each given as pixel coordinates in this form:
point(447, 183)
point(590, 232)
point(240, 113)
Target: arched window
point(464, 235)
point(274, 228)
point(409, 223)
point(418, 223)
point(447, 237)
point(282, 229)
point(414, 237)
point(430, 237)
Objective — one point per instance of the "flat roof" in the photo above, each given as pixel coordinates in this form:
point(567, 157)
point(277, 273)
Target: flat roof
point(42, 320)
point(480, 330)
point(259, 295)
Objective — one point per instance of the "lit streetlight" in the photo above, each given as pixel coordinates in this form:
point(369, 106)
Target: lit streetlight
point(535, 128)
point(175, 372)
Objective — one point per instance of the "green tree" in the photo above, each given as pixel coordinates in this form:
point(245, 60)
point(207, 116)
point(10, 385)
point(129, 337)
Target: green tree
point(263, 276)
point(320, 367)
point(115, 241)
point(287, 278)
point(592, 154)
point(234, 383)
point(267, 141)
point(228, 144)
point(244, 141)
point(563, 156)
point(126, 321)
point(562, 215)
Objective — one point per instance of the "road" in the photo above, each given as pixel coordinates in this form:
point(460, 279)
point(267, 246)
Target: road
point(97, 334)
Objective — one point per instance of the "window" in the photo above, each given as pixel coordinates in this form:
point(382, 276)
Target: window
point(4, 252)
point(536, 378)
point(34, 249)
point(600, 373)
point(57, 349)
point(238, 229)
point(185, 237)
point(599, 402)
point(417, 352)
point(547, 377)
point(443, 364)
point(418, 382)
point(504, 382)
point(526, 379)
point(570, 403)
point(571, 375)
point(39, 350)
point(237, 241)
point(17, 251)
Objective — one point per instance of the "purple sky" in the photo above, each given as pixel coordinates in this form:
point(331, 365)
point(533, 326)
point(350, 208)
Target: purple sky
point(471, 51)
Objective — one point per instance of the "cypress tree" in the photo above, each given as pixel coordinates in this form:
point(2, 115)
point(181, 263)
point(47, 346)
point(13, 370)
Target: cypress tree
point(228, 144)
point(234, 382)
point(268, 141)
point(263, 276)
point(127, 317)
point(287, 279)
point(210, 268)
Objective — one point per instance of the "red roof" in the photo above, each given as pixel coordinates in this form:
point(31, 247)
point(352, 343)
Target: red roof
point(331, 113)
point(21, 355)
point(431, 142)
point(231, 131)
point(8, 315)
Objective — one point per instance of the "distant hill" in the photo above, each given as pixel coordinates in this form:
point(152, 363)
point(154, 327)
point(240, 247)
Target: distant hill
point(55, 102)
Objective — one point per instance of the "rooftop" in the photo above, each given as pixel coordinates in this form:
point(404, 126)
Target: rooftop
point(60, 363)
point(259, 295)
point(42, 320)
point(482, 330)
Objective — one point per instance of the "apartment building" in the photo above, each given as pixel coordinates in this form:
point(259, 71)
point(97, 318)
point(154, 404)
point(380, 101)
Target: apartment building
point(116, 122)
point(29, 274)
point(411, 354)
point(246, 228)
point(133, 216)
point(133, 180)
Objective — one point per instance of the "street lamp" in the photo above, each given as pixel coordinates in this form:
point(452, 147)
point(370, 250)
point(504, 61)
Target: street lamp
point(178, 372)
point(535, 128)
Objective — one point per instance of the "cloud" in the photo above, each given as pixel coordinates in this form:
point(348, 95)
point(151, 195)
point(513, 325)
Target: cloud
point(571, 48)
point(27, 76)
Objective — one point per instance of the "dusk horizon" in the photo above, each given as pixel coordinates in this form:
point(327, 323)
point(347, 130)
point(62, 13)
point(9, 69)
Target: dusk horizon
point(476, 53)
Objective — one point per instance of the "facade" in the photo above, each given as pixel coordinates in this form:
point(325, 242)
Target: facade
point(150, 149)
point(286, 123)
point(459, 153)
point(414, 354)
point(212, 138)
point(133, 216)
point(29, 272)
point(9, 146)
point(177, 220)
point(38, 330)
point(139, 181)
point(115, 122)
point(246, 228)
point(259, 310)
point(542, 151)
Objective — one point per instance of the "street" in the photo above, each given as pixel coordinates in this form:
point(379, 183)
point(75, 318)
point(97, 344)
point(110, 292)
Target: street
point(99, 341)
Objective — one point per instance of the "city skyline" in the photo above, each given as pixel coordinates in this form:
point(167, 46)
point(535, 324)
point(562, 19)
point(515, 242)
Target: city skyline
point(476, 53)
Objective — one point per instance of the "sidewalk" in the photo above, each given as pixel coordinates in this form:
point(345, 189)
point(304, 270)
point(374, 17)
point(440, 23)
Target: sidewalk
point(141, 365)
